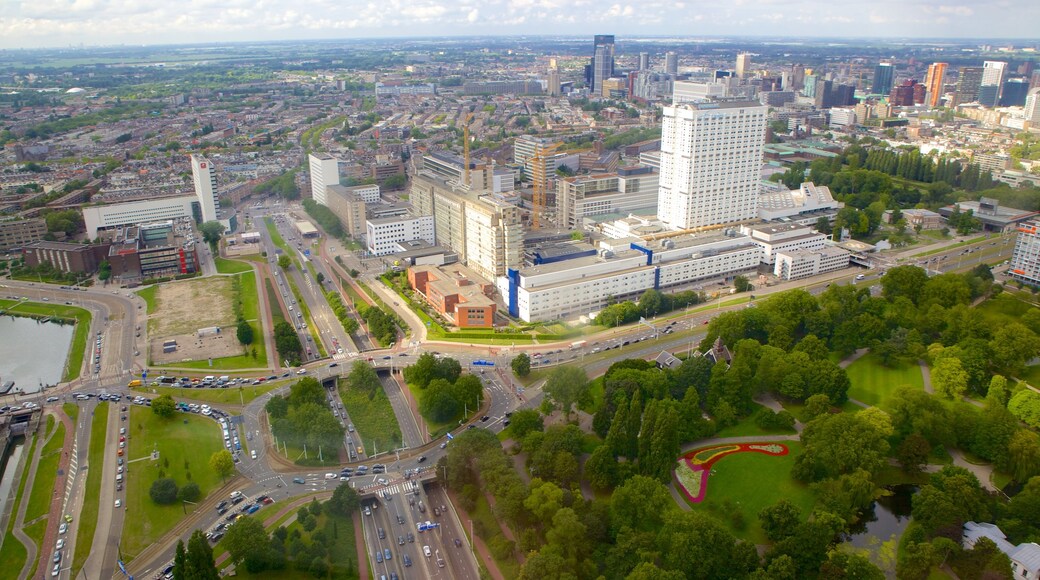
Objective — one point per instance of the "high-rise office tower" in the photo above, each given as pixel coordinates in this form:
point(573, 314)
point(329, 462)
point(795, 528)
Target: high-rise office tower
point(554, 78)
point(602, 62)
point(884, 75)
point(934, 83)
point(968, 81)
point(1014, 93)
point(644, 61)
point(743, 64)
point(1034, 81)
point(711, 154)
point(671, 63)
point(797, 78)
point(1032, 107)
point(822, 95)
point(205, 187)
point(324, 172)
point(993, 74)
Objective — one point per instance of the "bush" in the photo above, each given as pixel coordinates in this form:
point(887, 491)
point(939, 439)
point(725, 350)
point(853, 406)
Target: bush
point(164, 491)
point(190, 492)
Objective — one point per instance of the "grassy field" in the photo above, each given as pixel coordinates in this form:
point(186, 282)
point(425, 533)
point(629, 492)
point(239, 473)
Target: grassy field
point(276, 237)
point(226, 266)
point(72, 410)
point(78, 348)
point(36, 532)
point(1031, 375)
point(951, 246)
point(342, 555)
point(745, 483)
point(46, 473)
point(13, 553)
point(482, 513)
point(89, 510)
point(747, 427)
point(185, 443)
point(148, 295)
point(596, 394)
point(872, 382)
point(251, 312)
point(373, 418)
point(277, 314)
point(230, 395)
point(312, 328)
point(436, 429)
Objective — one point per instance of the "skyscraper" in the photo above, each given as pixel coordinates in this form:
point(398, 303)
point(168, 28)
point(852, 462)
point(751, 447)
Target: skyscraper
point(671, 63)
point(205, 187)
point(884, 75)
point(968, 80)
point(644, 61)
point(324, 172)
point(711, 154)
point(1032, 107)
point(602, 62)
point(1014, 93)
point(743, 64)
point(993, 74)
point(554, 78)
point(934, 83)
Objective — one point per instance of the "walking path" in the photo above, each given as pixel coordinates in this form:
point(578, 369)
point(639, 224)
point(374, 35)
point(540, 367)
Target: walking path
point(478, 543)
point(54, 517)
point(23, 504)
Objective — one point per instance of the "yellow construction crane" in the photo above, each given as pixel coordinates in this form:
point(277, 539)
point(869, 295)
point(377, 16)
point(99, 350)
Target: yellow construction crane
point(541, 182)
point(465, 149)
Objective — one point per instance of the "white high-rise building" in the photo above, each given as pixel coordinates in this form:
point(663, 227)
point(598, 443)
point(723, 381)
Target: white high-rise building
point(743, 64)
point(711, 154)
point(205, 187)
point(1032, 108)
point(324, 172)
point(993, 72)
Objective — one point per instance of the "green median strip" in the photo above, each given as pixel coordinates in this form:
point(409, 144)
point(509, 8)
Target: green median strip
point(88, 513)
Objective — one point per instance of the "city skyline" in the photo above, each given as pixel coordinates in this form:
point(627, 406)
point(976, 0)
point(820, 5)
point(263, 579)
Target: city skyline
point(56, 23)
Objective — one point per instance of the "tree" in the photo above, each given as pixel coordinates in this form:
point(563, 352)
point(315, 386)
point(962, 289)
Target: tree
point(197, 562)
point(244, 332)
point(742, 284)
point(344, 501)
point(949, 378)
point(246, 541)
point(525, 421)
point(104, 270)
point(222, 463)
point(1023, 455)
point(163, 491)
point(189, 492)
point(521, 365)
point(567, 386)
point(211, 233)
point(163, 406)
point(952, 497)
point(837, 444)
point(913, 453)
point(780, 520)
point(363, 378)
point(284, 261)
point(908, 281)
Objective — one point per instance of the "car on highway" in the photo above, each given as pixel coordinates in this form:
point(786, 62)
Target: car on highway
point(56, 570)
point(63, 528)
point(119, 503)
point(407, 561)
point(68, 518)
point(60, 544)
point(422, 458)
point(379, 557)
point(458, 543)
point(426, 550)
point(386, 554)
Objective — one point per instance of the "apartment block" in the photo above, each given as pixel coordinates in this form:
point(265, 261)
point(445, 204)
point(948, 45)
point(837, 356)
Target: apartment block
point(1025, 258)
point(324, 172)
point(383, 235)
point(18, 233)
point(349, 206)
point(630, 189)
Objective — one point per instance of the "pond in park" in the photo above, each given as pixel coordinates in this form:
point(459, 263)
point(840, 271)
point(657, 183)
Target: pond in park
point(888, 515)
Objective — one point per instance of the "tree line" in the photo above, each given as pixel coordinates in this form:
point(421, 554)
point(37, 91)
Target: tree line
point(445, 392)
point(303, 419)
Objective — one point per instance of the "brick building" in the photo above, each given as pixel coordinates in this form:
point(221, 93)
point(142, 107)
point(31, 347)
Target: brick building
point(454, 292)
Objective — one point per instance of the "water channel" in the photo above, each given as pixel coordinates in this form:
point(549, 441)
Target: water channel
point(32, 352)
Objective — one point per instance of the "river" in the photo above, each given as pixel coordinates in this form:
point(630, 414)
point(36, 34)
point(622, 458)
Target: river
point(33, 353)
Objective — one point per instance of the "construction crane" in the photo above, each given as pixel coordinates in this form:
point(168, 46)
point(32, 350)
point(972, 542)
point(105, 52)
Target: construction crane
point(465, 149)
point(541, 182)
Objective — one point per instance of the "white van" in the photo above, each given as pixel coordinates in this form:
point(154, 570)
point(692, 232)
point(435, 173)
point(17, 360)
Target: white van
point(252, 453)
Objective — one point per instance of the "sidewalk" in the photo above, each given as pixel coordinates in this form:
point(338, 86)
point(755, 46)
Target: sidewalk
point(54, 517)
point(478, 544)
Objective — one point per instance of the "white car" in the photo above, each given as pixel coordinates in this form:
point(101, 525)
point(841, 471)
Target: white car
point(60, 544)
point(426, 550)
point(301, 372)
point(331, 476)
point(63, 528)
point(119, 503)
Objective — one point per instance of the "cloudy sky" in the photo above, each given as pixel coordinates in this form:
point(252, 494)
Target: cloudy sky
point(36, 23)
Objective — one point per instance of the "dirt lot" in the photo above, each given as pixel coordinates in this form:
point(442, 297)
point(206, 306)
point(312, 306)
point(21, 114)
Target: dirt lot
point(192, 347)
point(182, 308)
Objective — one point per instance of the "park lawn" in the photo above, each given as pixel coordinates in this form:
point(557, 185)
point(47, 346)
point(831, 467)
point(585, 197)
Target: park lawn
point(1003, 309)
point(872, 382)
point(535, 376)
point(13, 553)
point(747, 427)
point(80, 316)
point(230, 395)
point(749, 482)
point(184, 442)
point(72, 410)
point(596, 394)
point(373, 418)
point(46, 473)
point(226, 266)
point(88, 512)
point(296, 453)
point(1031, 375)
point(251, 312)
point(343, 553)
point(798, 409)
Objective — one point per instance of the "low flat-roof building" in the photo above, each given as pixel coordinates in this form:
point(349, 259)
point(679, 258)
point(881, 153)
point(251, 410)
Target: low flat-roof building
point(456, 292)
point(383, 235)
point(804, 205)
point(65, 256)
point(151, 250)
point(994, 217)
point(774, 238)
point(795, 264)
point(306, 229)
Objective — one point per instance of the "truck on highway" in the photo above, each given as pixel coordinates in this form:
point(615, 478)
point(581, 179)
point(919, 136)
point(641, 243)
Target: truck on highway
point(578, 344)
